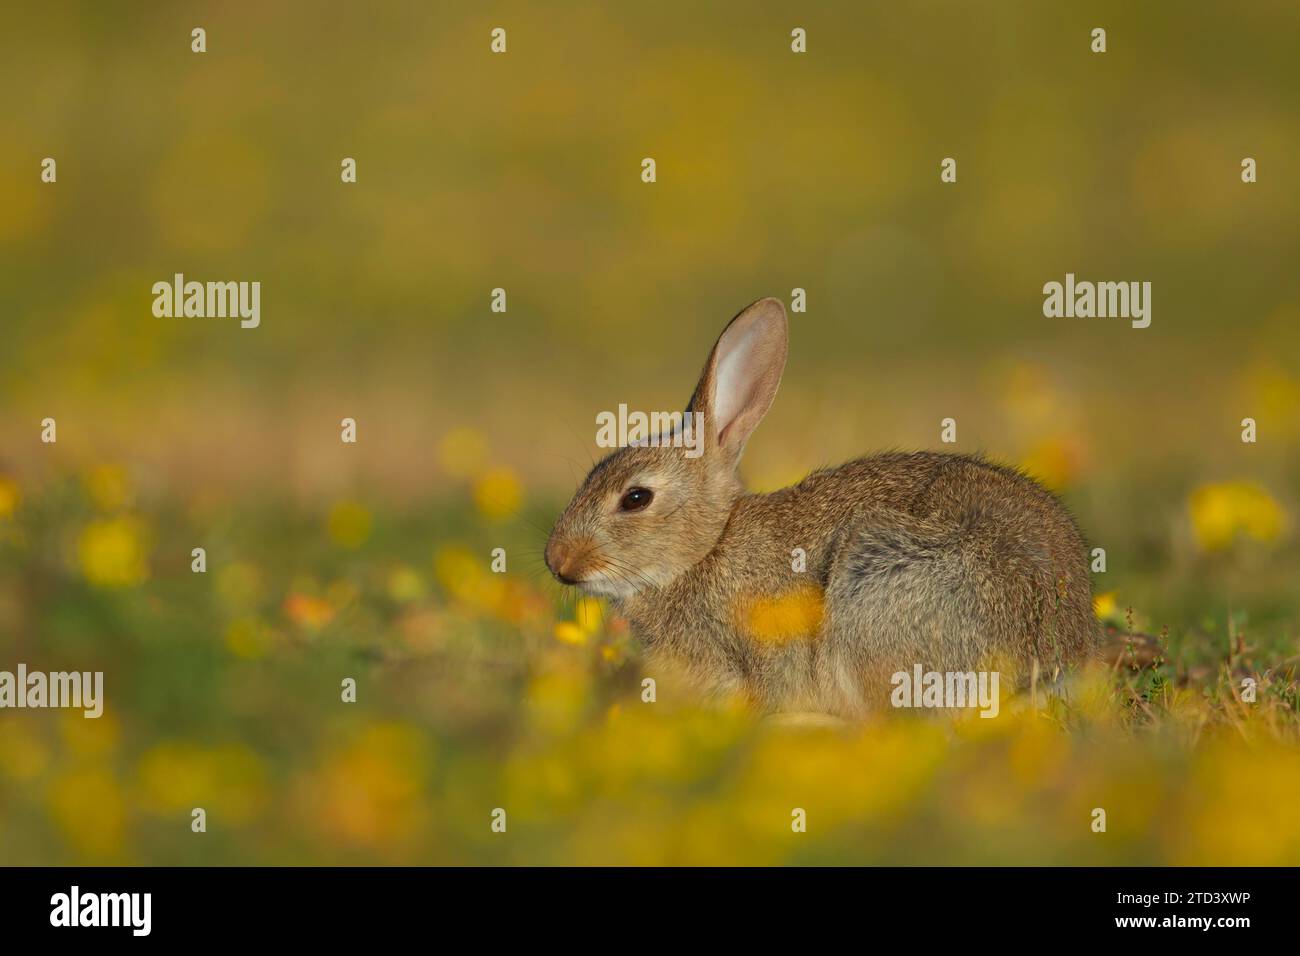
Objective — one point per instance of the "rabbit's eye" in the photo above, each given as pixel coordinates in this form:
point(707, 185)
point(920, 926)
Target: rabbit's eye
point(634, 499)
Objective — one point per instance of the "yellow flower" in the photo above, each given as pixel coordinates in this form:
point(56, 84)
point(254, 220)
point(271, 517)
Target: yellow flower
point(1037, 753)
point(174, 776)
point(1053, 461)
point(1220, 511)
point(1104, 605)
point(498, 494)
point(589, 614)
point(23, 757)
point(557, 699)
point(229, 781)
point(89, 738)
point(307, 611)
point(370, 792)
point(1277, 396)
point(248, 637)
point(9, 497)
point(112, 552)
point(349, 524)
point(456, 568)
point(588, 618)
point(405, 584)
point(1240, 808)
point(569, 633)
point(795, 614)
point(108, 487)
point(88, 807)
point(466, 578)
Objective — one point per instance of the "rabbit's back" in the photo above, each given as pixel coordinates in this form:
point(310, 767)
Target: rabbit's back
point(947, 561)
point(952, 563)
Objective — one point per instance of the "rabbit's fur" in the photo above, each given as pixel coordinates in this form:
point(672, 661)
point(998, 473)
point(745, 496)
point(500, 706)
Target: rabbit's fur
point(947, 561)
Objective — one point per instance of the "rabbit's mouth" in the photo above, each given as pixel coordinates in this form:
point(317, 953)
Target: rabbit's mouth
point(581, 563)
point(603, 583)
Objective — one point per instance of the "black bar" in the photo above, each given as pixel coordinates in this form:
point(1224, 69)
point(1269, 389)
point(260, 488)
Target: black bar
point(331, 906)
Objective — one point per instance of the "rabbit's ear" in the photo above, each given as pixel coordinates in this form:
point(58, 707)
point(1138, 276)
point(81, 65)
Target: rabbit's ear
point(742, 375)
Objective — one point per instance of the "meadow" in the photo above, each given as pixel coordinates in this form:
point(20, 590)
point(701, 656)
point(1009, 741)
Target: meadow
point(478, 691)
point(778, 173)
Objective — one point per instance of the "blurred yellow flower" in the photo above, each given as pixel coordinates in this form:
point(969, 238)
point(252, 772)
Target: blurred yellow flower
point(371, 792)
point(589, 614)
point(462, 452)
point(9, 497)
point(174, 776)
point(1277, 396)
point(307, 611)
point(1104, 605)
point(1038, 753)
point(1053, 461)
point(1220, 511)
point(349, 524)
point(786, 617)
point(832, 777)
point(108, 487)
point(557, 698)
point(248, 637)
point(568, 632)
point(228, 781)
point(520, 603)
point(89, 738)
point(467, 578)
point(588, 621)
point(455, 565)
point(23, 756)
point(498, 494)
point(1242, 808)
point(88, 807)
point(405, 584)
point(113, 552)
point(241, 792)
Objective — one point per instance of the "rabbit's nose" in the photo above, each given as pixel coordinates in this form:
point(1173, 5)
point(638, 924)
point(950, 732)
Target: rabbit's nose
point(565, 559)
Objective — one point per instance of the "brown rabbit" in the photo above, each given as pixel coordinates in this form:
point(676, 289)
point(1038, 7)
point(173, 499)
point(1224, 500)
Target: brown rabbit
point(811, 597)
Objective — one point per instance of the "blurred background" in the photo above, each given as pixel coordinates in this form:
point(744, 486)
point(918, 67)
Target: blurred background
point(522, 171)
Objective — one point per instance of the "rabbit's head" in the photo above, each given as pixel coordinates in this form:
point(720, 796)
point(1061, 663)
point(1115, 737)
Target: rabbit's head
point(647, 513)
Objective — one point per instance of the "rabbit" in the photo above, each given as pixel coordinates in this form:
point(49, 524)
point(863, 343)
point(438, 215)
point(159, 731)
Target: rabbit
point(944, 560)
